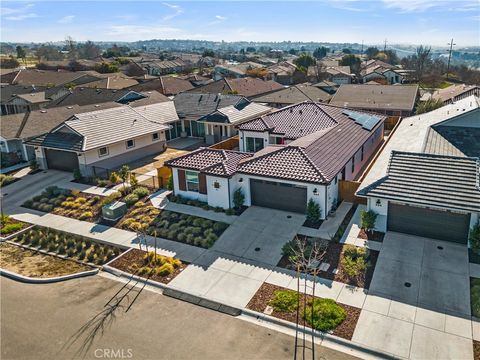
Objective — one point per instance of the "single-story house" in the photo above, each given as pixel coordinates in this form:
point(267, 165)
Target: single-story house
point(287, 158)
point(101, 140)
point(392, 100)
point(14, 99)
point(166, 85)
point(456, 92)
point(425, 182)
point(293, 95)
point(233, 70)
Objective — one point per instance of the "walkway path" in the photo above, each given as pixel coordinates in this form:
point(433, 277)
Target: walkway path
point(197, 211)
point(351, 233)
point(330, 226)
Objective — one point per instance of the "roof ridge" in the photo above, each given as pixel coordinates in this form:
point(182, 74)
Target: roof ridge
point(302, 151)
point(22, 125)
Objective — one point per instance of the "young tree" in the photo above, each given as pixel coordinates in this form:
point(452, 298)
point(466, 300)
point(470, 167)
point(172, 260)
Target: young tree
point(320, 52)
point(123, 173)
point(21, 53)
point(313, 212)
point(371, 52)
point(422, 60)
point(238, 198)
point(208, 53)
point(352, 61)
point(368, 219)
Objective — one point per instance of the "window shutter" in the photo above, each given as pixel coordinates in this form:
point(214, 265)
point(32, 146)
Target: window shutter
point(202, 184)
point(182, 184)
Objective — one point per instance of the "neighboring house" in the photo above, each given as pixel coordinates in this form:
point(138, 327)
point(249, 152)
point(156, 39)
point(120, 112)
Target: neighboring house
point(285, 73)
point(234, 70)
point(377, 70)
point(456, 92)
point(338, 74)
point(425, 182)
point(327, 86)
point(158, 68)
point(393, 100)
point(103, 140)
point(16, 99)
point(300, 154)
point(17, 128)
point(166, 85)
point(29, 77)
point(248, 87)
point(191, 107)
point(293, 95)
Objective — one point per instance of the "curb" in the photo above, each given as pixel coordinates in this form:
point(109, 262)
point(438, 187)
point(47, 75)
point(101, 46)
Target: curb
point(321, 335)
point(30, 280)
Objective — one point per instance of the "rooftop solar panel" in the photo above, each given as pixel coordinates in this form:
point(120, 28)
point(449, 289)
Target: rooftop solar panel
point(367, 121)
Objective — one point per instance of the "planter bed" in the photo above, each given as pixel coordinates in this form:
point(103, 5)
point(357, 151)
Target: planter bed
point(34, 264)
point(75, 247)
point(373, 235)
point(180, 200)
point(475, 297)
point(134, 260)
point(6, 180)
point(334, 257)
point(343, 225)
point(265, 293)
point(170, 225)
point(311, 225)
point(476, 349)
point(11, 226)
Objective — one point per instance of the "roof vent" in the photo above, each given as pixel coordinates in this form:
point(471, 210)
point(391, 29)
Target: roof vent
point(69, 107)
point(43, 111)
point(300, 112)
point(96, 105)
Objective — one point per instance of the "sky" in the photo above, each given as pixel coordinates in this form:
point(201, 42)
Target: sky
point(428, 22)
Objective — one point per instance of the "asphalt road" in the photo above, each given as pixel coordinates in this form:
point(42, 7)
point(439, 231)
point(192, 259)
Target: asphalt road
point(59, 321)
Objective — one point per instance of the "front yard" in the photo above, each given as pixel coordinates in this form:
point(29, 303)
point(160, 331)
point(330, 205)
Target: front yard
point(9, 225)
point(326, 315)
point(344, 263)
point(34, 264)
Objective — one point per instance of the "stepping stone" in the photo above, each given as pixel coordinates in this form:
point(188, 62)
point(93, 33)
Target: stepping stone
point(324, 266)
point(268, 310)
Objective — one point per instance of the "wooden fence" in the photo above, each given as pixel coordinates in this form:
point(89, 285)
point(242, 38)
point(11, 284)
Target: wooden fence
point(228, 144)
point(391, 121)
point(346, 192)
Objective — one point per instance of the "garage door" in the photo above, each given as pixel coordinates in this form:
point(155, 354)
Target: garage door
point(278, 195)
point(61, 160)
point(434, 224)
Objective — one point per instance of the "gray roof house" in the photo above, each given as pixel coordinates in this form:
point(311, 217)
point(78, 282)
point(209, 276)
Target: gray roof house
point(286, 158)
point(98, 141)
point(425, 181)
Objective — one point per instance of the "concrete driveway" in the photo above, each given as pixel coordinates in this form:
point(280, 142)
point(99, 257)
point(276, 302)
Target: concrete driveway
point(418, 304)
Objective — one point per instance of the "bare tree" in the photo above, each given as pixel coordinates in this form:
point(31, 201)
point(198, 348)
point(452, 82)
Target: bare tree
point(307, 258)
point(422, 60)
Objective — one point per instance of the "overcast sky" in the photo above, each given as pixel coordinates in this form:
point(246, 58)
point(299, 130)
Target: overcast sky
point(432, 22)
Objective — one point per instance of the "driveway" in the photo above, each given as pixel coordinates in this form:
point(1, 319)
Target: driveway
point(418, 304)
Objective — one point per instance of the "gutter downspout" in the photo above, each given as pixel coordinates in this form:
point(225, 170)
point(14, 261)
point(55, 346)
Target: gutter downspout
point(325, 202)
point(229, 203)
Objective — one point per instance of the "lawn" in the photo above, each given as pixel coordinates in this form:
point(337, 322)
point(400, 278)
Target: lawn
point(348, 264)
point(325, 315)
point(34, 264)
point(9, 225)
point(68, 245)
point(173, 226)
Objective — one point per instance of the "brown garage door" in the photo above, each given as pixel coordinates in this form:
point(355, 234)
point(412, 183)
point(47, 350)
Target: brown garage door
point(442, 225)
point(61, 160)
point(277, 195)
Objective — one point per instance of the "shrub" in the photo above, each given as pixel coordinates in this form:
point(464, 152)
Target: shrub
point(133, 181)
point(11, 228)
point(139, 204)
point(172, 234)
point(70, 252)
point(182, 237)
point(75, 193)
point(102, 182)
point(130, 199)
point(77, 175)
point(123, 173)
point(170, 183)
point(61, 249)
point(34, 165)
point(165, 269)
point(353, 266)
point(368, 219)
point(355, 252)
point(111, 198)
point(43, 243)
point(90, 256)
point(145, 270)
point(219, 227)
point(6, 179)
point(230, 212)
point(28, 203)
point(85, 215)
point(141, 191)
point(52, 247)
point(475, 297)
point(114, 178)
point(80, 200)
point(326, 314)
point(474, 237)
point(79, 246)
point(82, 255)
point(238, 198)
point(313, 212)
point(284, 300)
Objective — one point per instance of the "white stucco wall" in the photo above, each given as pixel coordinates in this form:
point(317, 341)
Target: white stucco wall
point(218, 196)
point(253, 134)
point(380, 206)
point(119, 148)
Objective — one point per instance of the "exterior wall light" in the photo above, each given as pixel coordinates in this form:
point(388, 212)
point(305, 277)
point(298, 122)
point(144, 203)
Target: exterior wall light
point(315, 191)
point(216, 185)
point(378, 203)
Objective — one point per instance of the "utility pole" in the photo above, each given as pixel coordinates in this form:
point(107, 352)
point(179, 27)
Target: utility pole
point(362, 48)
point(385, 45)
point(449, 56)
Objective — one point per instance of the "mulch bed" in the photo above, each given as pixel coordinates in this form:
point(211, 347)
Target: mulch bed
point(313, 225)
point(334, 257)
point(476, 350)
point(265, 293)
point(373, 235)
point(136, 256)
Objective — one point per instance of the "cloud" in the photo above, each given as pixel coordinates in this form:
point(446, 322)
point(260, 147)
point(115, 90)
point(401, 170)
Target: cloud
point(178, 11)
point(406, 6)
point(66, 19)
point(218, 19)
point(347, 5)
point(136, 31)
point(18, 14)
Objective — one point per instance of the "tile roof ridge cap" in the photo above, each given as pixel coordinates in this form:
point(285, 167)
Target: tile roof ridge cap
point(326, 113)
point(302, 151)
point(252, 158)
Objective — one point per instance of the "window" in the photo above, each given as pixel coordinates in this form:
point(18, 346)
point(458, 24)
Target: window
point(192, 180)
point(155, 137)
point(361, 155)
point(253, 144)
point(353, 164)
point(103, 151)
point(130, 143)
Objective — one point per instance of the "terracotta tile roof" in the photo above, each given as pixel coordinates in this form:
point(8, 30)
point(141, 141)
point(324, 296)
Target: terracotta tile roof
point(293, 121)
point(248, 86)
point(294, 94)
point(210, 161)
point(166, 85)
